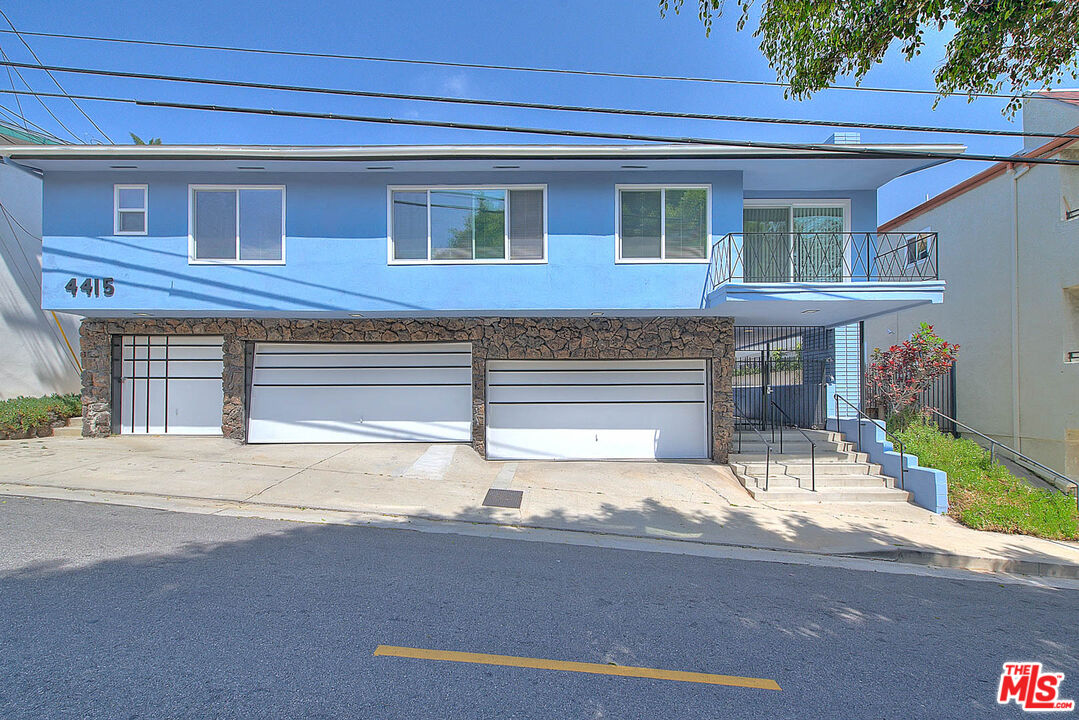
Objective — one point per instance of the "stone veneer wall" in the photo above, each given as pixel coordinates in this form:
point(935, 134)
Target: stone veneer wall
point(492, 338)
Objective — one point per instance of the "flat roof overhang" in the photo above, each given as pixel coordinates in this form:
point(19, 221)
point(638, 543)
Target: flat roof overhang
point(823, 304)
point(831, 167)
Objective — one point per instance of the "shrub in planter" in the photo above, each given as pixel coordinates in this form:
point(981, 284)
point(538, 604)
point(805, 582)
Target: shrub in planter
point(898, 376)
point(25, 417)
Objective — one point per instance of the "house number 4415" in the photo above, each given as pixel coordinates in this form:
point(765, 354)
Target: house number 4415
point(91, 287)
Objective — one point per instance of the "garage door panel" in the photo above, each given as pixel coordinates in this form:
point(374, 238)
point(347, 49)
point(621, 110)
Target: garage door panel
point(605, 376)
point(597, 409)
point(341, 392)
point(693, 392)
point(346, 355)
point(195, 369)
point(597, 432)
point(194, 406)
point(363, 376)
point(170, 384)
point(595, 365)
point(188, 352)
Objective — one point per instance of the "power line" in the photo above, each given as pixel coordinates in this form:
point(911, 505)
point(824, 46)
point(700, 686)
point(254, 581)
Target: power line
point(526, 105)
point(21, 121)
point(18, 101)
point(51, 76)
point(38, 96)
point(488, 66)
point(844, 150)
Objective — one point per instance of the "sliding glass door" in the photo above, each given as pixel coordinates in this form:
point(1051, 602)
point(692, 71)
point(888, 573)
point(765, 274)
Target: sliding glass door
point(800, 242)
point(766, 244)
point(818, 244)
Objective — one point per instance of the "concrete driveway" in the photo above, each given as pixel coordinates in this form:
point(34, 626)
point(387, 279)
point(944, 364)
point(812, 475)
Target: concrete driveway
point(416, 479)
point(699, 502)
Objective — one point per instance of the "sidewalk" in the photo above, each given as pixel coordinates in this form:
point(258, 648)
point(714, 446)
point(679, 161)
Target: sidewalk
point(687, 502)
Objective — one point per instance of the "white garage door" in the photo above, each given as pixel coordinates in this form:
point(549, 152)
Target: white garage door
point(170, 384)
point(597, 409)
point(351, 392)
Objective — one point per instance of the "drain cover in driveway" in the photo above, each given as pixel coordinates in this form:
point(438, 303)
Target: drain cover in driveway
point(503, 498)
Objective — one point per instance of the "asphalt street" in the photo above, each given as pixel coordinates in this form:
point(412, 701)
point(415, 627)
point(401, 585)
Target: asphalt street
point(113, 612)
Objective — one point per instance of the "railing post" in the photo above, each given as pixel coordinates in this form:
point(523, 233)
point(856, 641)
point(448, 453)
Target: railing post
point(867, 257)
point(902, 468)
point(730, 267)
point(992, 453)
point(767, 467)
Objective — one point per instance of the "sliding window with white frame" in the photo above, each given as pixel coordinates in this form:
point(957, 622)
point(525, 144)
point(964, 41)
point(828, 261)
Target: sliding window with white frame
point(663, 223)
point(236, 224)
point(473, 224)
point(795, 240)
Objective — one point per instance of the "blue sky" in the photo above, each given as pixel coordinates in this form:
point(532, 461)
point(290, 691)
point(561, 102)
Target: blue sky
point(609, 35)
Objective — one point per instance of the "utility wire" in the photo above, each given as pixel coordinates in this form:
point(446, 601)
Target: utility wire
point(527, 105)
point(18, 101)
point(19, 121)
point(38, 97)
point(843, 150)
point(487, 66)
point(51, 76)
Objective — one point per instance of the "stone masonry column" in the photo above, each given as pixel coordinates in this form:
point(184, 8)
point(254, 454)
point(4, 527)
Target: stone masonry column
point(234, 386)
point(479, 401)
point(95, 344)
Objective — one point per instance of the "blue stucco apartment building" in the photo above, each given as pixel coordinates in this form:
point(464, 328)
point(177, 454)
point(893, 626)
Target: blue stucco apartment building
point(536, 301)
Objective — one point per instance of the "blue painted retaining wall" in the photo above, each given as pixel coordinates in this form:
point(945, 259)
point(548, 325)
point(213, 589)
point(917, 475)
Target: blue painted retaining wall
point(928, 485)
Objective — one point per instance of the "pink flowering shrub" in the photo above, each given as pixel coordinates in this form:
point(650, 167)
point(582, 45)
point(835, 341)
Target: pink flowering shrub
point(897, 377)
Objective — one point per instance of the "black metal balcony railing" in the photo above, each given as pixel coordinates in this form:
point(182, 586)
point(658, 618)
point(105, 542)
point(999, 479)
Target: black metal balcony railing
point(824, 257)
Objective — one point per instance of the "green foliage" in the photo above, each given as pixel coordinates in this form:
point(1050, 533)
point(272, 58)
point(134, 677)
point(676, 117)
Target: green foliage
point(994, 44)
point(897, 377)
point(986, 496)
point(488, 224)
point(22, 415)
point(139, 141)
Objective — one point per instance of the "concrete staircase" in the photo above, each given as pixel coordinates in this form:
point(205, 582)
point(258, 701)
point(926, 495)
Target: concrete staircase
point(72, 429)
point(843, 475)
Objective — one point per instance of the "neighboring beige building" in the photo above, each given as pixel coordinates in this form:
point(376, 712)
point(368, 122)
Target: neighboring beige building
point(38, 349)
point(1009, 251)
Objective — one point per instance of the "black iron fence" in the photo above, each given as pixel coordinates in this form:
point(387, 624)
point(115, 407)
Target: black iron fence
point(940, 395)
point(780, 375)
point(824, 257)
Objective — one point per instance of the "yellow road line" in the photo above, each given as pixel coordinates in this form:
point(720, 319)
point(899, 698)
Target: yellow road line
point(582, 667)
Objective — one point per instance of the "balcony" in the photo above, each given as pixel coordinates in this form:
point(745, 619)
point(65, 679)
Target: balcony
point(821, 278)
point(824, 257)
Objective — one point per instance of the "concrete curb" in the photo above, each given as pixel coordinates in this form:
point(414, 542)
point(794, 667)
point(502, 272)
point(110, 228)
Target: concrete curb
point(968, 562)
point(662, 543)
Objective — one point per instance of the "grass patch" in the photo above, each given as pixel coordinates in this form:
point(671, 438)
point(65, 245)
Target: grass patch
point(985, 496)
point(24, 416)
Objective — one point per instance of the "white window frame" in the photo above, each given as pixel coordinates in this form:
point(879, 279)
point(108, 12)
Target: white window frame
point(791, 203)
point(924, 233)
point(116, 209)
point(506, 260)
point(708, 239)
point(192, 260)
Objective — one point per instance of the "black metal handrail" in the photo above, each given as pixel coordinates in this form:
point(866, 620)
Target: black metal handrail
point(739, 413)
point(812, 445)
point(895, 441)
point(824, 257)
point(993, 444)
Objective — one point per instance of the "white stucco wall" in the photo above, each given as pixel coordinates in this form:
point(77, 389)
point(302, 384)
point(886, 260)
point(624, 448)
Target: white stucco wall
point(1029, 396)
point(34, 359)
point(1047, 115)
